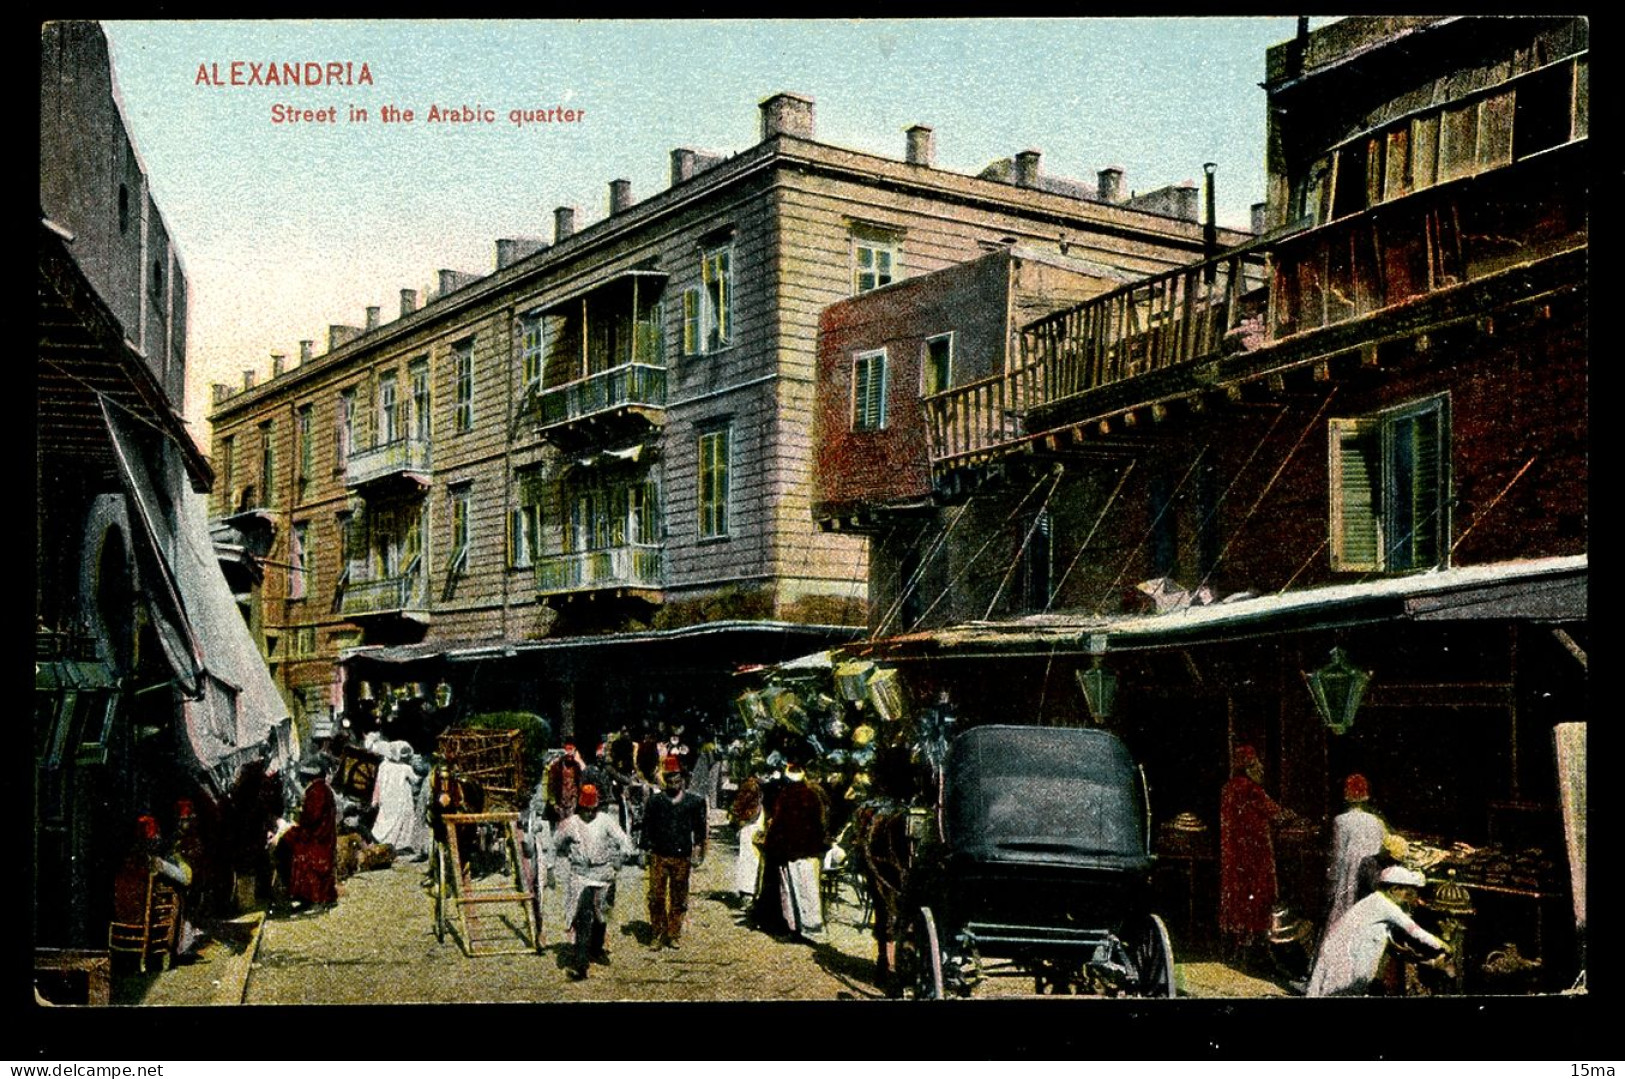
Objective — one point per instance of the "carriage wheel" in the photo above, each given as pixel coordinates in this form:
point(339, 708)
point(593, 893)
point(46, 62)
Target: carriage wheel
point(1153, 956)
point(919, 959)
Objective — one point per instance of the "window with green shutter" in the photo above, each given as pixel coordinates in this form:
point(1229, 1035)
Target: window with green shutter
point(713, 482)
point(869, 391)
point(691, 322)
point(1390, 489)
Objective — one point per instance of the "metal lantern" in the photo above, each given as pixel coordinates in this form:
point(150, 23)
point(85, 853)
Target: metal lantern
point(1099, 687)
point(1337, 689)
point(442, 695)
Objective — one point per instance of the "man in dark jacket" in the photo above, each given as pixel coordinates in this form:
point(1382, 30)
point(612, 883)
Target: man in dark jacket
point(793, 844)
point(674, 833)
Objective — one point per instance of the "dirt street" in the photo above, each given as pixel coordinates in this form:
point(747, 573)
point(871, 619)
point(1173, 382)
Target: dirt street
point(378, 946)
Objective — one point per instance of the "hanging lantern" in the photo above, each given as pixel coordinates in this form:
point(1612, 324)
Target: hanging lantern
point(1337, 689)
point(364, 692)
point(1099, 687)
point(442, 695)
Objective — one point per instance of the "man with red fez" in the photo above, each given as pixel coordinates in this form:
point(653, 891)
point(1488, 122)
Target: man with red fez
point(1357, 834)
point(563, 784)
point(595, 845)
point(142, 864)
point(793, 844)
point(674, 834)
point(1247, 887)
point(312, 859)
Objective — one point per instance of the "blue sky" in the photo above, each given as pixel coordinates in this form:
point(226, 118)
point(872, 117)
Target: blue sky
point(287, 228)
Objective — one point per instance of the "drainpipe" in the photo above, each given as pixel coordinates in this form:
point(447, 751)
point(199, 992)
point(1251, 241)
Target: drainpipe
point(1210, 230)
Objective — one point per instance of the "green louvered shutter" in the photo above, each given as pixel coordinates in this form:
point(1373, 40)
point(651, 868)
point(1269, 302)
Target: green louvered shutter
point(1355, 483)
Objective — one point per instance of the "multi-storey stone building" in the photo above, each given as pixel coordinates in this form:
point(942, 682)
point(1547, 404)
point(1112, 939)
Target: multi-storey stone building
point(594, 463)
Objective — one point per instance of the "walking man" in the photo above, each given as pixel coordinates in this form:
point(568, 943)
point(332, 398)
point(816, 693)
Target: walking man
point(595, 845)
point(674, 833)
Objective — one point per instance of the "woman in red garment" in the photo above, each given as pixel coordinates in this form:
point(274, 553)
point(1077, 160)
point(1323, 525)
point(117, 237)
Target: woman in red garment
point(1247, 855)
point(312, 871)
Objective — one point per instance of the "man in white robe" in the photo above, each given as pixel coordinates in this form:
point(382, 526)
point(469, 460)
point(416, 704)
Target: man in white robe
point(1357, 834)
point(595, 846)
point(394, 794)
point(1352, 952)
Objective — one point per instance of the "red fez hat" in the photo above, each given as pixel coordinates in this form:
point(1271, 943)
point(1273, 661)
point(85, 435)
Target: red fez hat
point(146, 826)
point(183, 808)
point(569, 747)
point(1356, 789)
point(672, 764)
point(1246, 757)
point(589, 796)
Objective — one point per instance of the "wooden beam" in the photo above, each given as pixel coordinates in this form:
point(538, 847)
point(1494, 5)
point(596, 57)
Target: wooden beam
point(1571, 644)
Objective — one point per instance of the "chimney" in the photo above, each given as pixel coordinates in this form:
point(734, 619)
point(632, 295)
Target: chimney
point(787, 114)
point(620, 196)
point(921, 146)
point(409, 301)
point(1258, 218)
point(248, 378)
point(306, 348)
point(1185, 202)
point(1110, 188)
point(279, 363)
point(1027, 168)
point(564, 223)
point(511, 250)
point(682, 166)
point(372, 317)
point(340, 335)
point(221, 392)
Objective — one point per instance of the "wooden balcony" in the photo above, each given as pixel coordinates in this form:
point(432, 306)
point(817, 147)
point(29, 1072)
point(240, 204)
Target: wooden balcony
point(1163, 321)
point(1430, 242)
point(402, 459)
point(633, 393)
point(404, 596)
point(631, 567)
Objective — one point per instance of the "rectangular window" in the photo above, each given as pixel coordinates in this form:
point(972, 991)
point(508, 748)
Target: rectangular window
point(389, 409)
point(525, 520)
point(937, 371)
point(869, 391)
point(873, 257)
point(298, 559)
point(713, 482)
point(691, 322)
point(532, 346)
point(457, 562)
point(1389, 489)
point(228, 468)
point(307, 448)
point(716, 299)
point(268, 463)
point(346, 426)
point(462, 363)
point(421, 416)
point(302, 642)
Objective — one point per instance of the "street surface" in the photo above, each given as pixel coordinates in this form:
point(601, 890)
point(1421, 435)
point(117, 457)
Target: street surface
point(378, 946)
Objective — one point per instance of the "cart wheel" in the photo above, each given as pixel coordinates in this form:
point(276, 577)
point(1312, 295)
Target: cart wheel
point(1153, 957)
point(439, 890)
point(918, 970)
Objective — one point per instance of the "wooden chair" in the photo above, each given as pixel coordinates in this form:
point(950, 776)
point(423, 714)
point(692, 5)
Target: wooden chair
point(154, 937)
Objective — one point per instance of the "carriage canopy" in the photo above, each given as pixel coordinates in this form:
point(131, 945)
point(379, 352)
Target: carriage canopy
point(1067, 796)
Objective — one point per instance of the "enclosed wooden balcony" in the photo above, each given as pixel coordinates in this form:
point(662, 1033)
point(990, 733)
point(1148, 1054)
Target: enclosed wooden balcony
point(631, 568)
point(404, 460)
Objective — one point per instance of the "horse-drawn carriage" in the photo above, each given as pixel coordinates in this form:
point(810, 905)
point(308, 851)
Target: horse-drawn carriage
point(1034, 862)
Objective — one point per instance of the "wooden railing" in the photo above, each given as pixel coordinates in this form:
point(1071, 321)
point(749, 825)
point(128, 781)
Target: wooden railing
point(384, 596)
point(1172, 318)
point(402, 455)
point(628, 384)
point(635, 565)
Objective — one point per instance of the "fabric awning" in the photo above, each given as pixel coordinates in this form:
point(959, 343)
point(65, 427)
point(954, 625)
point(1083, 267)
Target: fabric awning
point(229, 703)
point(1541, 590)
